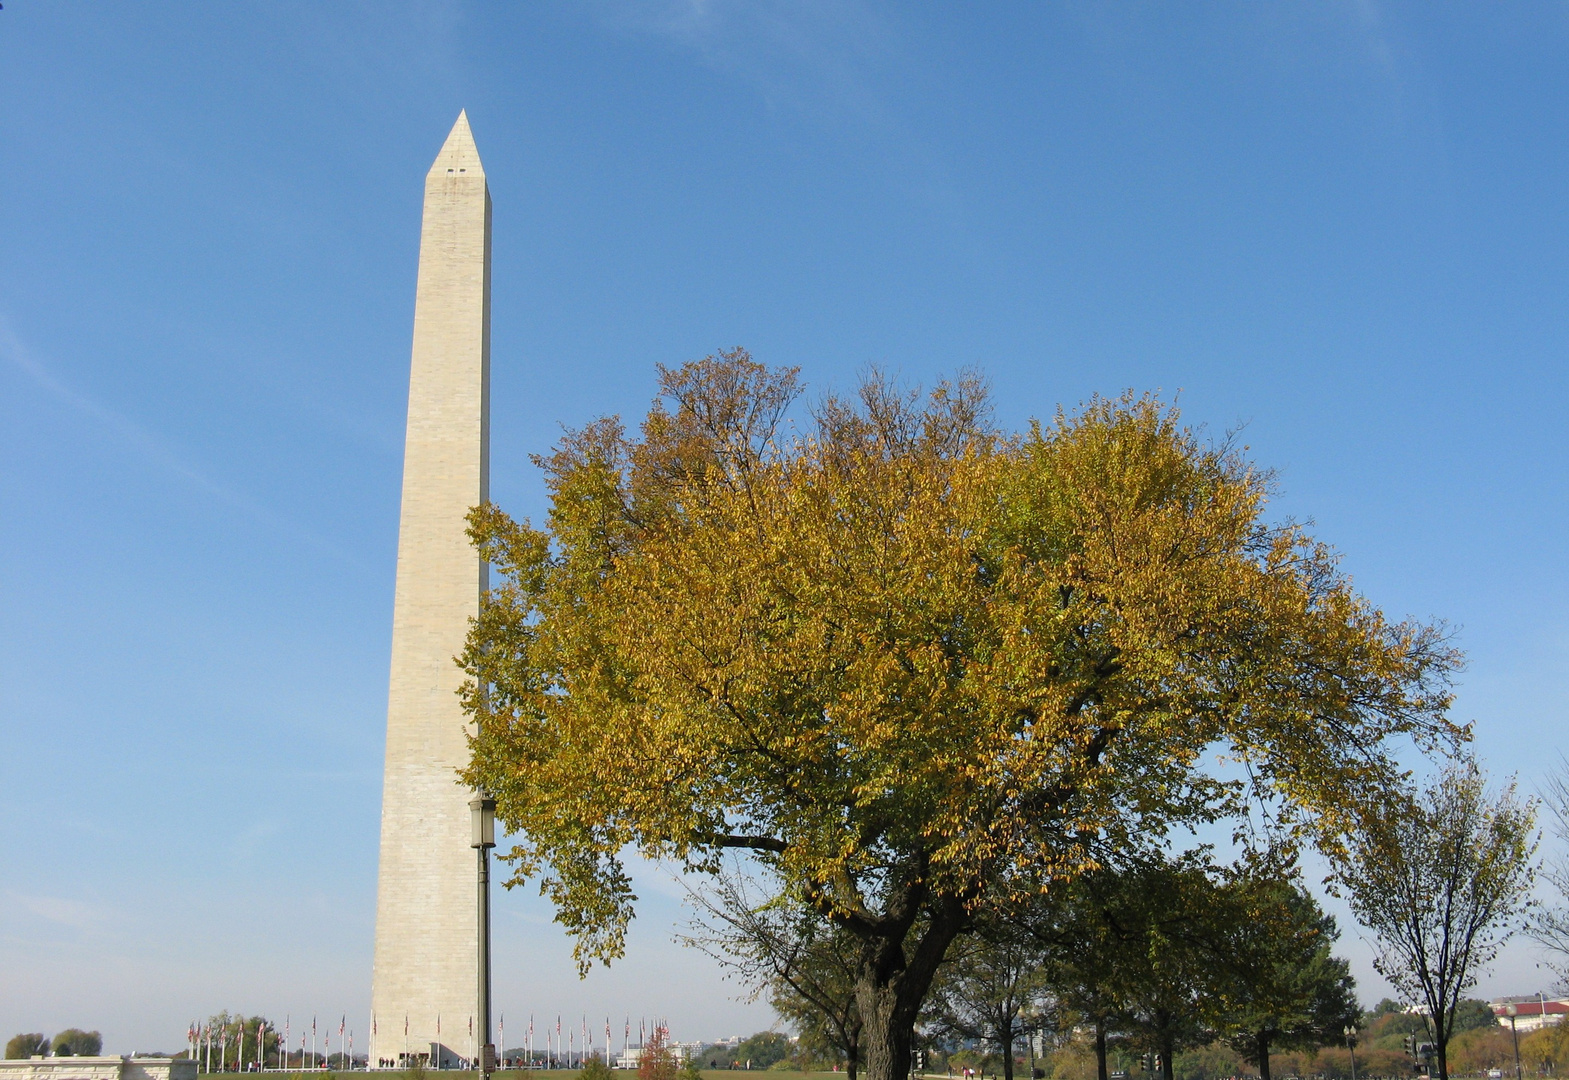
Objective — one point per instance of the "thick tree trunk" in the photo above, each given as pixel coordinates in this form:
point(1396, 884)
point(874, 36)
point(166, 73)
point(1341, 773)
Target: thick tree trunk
point(1261, 1051)
point(1007, 1052)
point(1165, 1057)
point(891, 987)
point(1100, 1048)
point(889, 1033)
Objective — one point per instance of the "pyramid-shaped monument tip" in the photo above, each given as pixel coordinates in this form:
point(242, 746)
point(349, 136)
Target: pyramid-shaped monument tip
point(459, 154)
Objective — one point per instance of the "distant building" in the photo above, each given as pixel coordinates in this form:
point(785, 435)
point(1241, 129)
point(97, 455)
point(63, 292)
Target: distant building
point(1531, 1013)
point(633, 1055)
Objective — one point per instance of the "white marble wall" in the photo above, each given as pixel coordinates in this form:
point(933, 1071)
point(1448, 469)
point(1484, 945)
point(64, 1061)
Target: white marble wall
point(426, 921)
point(98, 1068)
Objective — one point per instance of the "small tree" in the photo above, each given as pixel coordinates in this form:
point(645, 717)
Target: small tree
point(1175, 918)
point(763, 1049)
point(655, 1060)
point(1550, 927)
point(1473, 1013)
point(1086, 952)
point(1284, 989)
point(26, 1046)
point(804, 963)
point(1136, 945)
point(1442, 878)
point(74, 1042)
point(986, 987)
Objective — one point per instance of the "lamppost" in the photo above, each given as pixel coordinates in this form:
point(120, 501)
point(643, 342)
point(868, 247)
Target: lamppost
point(1351, 1045)
point(483, 810)
point(1513, 1010)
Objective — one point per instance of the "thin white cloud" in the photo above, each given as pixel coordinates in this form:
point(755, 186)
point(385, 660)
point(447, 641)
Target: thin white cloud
point(820, 56)
point(63, 911)
point(153, 450)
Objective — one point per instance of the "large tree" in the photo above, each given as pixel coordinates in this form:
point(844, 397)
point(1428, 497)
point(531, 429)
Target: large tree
point(1442, 877)
point(911, 663)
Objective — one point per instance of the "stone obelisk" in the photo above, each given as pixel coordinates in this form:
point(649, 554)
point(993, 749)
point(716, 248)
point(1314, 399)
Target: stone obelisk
point(424, 981)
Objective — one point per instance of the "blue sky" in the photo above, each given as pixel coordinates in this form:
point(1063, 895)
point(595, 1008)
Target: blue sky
point(1344, 225)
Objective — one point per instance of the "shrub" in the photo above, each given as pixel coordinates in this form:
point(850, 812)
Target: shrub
point(25, 1046)
point(74, 1042)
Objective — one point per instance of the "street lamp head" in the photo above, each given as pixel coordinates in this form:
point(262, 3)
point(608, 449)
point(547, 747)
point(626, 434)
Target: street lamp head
point(483, 809)
point(1512, 1009)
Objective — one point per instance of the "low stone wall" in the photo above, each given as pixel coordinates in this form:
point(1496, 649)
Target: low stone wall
point(98, 1068)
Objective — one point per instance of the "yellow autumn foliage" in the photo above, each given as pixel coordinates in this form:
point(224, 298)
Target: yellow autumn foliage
point(914, 664)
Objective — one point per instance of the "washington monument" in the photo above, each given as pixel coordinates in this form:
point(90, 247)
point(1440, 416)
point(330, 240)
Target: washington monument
point(423, 986)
